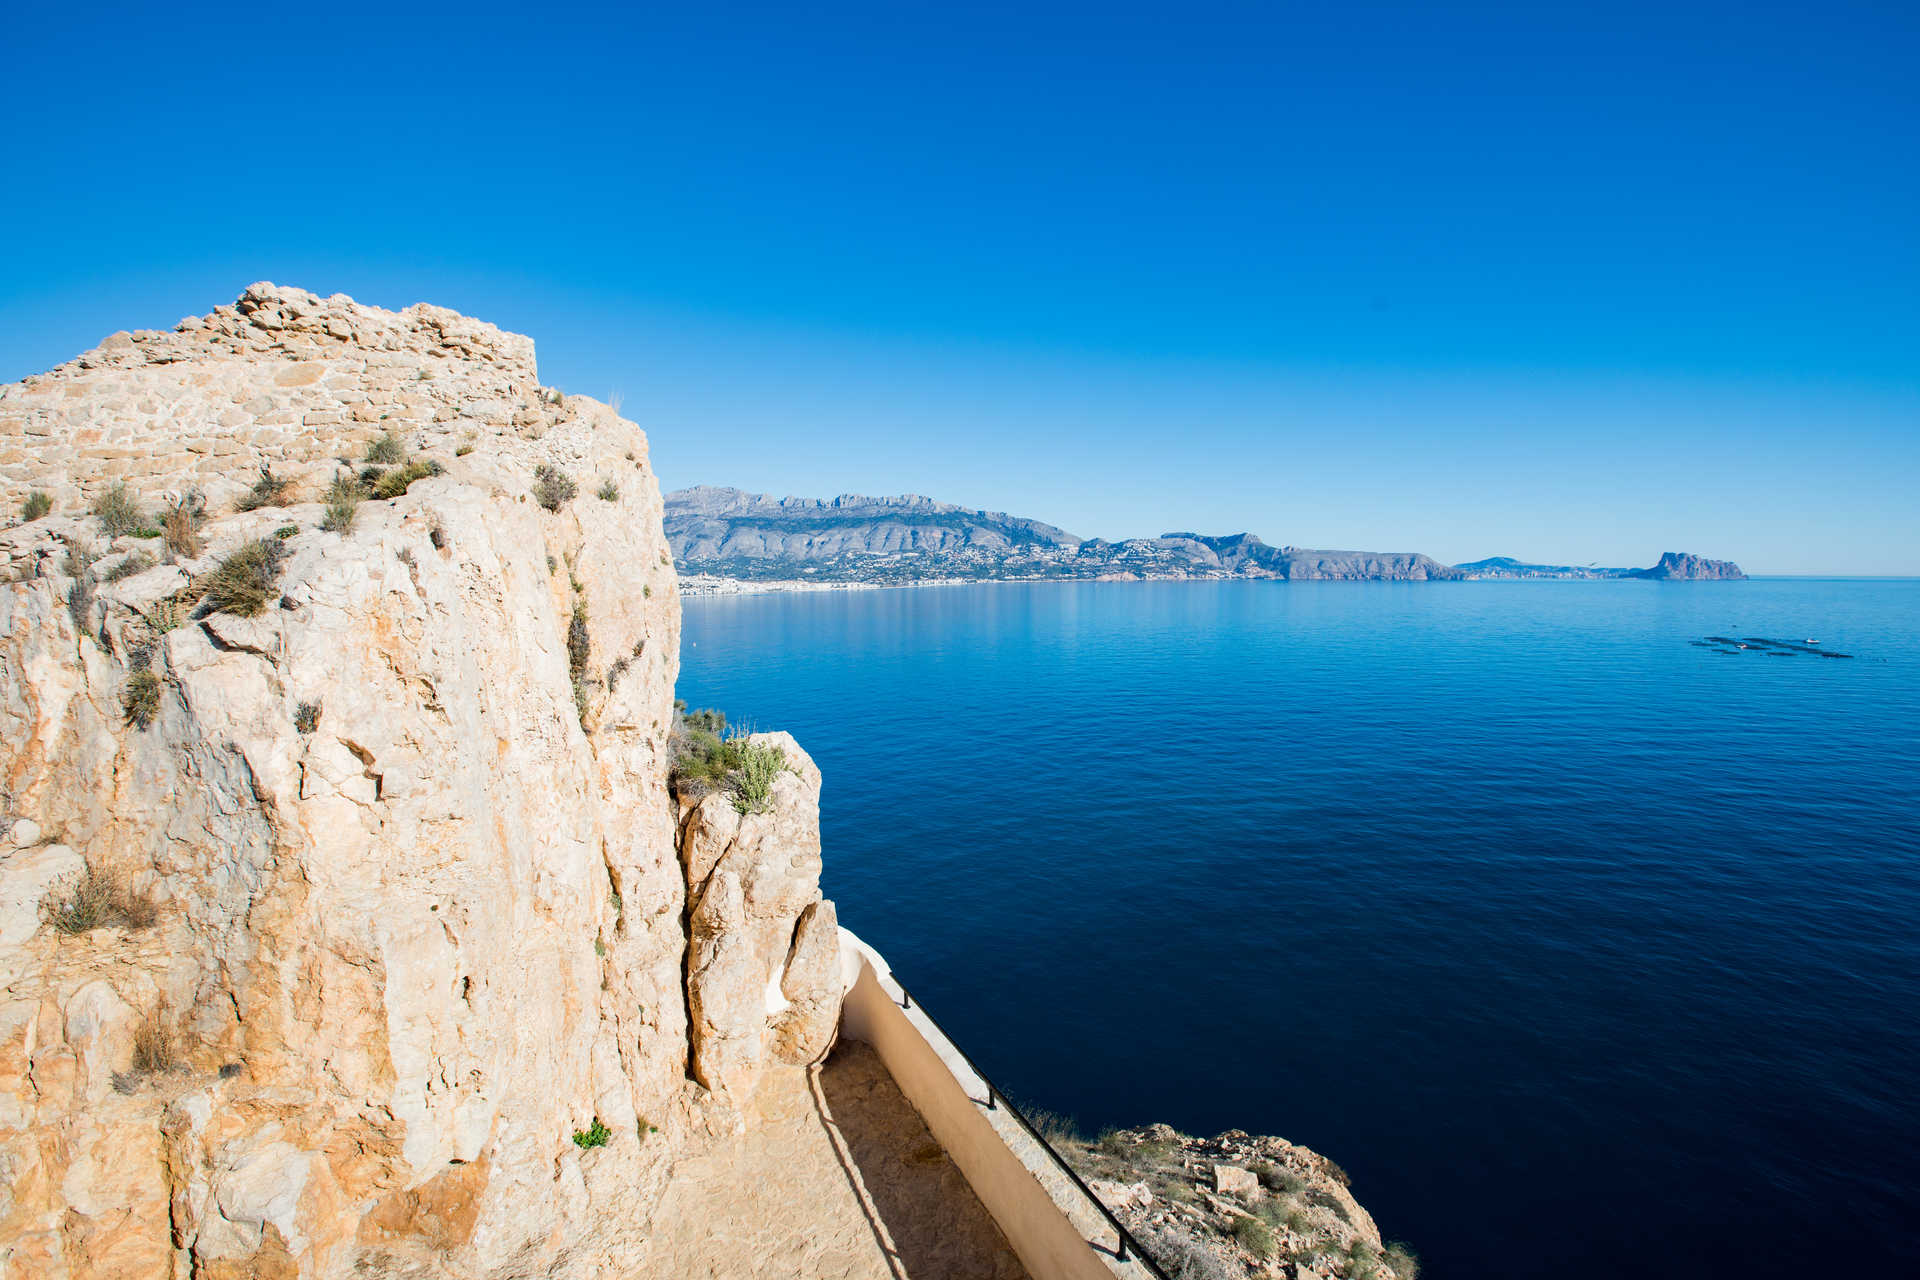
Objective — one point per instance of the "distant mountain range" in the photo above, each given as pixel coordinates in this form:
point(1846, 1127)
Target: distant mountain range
point(729, 533)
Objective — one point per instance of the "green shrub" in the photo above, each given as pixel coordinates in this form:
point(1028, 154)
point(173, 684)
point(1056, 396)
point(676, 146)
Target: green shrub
point(552, 487)
point(386, 449)
point(119, 512)
point(140, 700)
point(1253, 1235)
point(392, 484)
point(306, 717)
point(37, 505)
point(595, 1136)
point(286, 531)
point(243, 583)
point(609, 491)
point(268, 491)
point(343, 498)
point(1402, 1261)
point(463, 451)
point(760, 764)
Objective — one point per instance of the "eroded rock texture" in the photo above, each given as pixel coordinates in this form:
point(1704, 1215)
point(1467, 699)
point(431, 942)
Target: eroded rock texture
point(419, 908)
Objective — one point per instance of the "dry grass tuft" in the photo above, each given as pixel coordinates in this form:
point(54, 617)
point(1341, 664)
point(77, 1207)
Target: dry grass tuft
point(180, 527)
point(154, 1048)
point(243, 583)
point(98, 900)
point(118, 510)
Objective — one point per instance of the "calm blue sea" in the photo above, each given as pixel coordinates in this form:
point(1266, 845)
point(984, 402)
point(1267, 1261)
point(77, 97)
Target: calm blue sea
point(1584, 950)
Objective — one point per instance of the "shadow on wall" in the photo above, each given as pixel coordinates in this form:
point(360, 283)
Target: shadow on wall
point(924, 1214)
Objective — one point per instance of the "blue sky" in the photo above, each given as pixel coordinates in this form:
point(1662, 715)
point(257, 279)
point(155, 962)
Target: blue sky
point(1571, 282)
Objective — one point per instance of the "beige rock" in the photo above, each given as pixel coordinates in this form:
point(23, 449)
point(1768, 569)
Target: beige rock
point(763, 979)
point(1231, 1180)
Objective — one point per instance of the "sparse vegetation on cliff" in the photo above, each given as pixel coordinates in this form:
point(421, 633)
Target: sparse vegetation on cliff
point(98, 900)
point(268, 491)
point(394, 483)
point(343, 498)
point(128, 565)
point(552, 487)
point(386, 449)
point(596, 1135)
point(243, 583)
point(180, 527)
point(140, 700)
point(1233, 1205)
point(118, 511)
point(704, 757)
point(37, 505)
point(79, 567)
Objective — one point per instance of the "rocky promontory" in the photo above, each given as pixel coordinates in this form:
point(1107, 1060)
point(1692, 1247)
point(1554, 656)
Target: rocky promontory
point(348, 925)
point(1236, 1205)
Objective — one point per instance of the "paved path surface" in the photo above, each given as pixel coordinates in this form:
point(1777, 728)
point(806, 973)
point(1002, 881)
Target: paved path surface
point(838, 1180)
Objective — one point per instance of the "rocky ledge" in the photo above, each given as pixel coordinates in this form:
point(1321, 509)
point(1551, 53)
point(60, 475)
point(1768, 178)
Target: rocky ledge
point(1236, 1205)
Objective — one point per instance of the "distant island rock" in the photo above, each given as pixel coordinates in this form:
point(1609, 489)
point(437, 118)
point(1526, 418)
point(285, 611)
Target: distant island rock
point(1681, 566)
point(730, 534)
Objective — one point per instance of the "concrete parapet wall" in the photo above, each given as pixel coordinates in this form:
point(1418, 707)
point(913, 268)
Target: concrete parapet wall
point(1056, 1232)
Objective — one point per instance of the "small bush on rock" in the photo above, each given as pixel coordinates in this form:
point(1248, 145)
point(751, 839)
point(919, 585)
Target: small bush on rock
point(1184, 1258)
point(140, 700)
point(180, 527)
point(552, 487)
point(95, 901)
point(136, 562)
point(1253, 1235)
point(609, 491)
point(118, 511)
point(306, 717)
point(268, 491)
point(396, 482)
point(595, 1136)
point(760, 764)
point(1402, 1261)
point(386, 449)
point(154, 1050)
point(79, 567)
point(37, 505)
point(343, 499)
point(243, 583)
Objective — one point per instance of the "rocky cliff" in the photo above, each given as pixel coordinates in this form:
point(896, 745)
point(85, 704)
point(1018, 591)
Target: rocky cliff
point(347, 923)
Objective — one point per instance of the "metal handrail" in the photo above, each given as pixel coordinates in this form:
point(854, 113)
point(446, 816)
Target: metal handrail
point(1125, 1237)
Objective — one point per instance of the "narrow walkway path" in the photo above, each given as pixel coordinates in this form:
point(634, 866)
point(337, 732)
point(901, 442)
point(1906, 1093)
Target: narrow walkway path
point(839, 1179)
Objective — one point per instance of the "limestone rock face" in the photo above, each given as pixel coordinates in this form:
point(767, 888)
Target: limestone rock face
point(762, 974)
point(413, 867)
